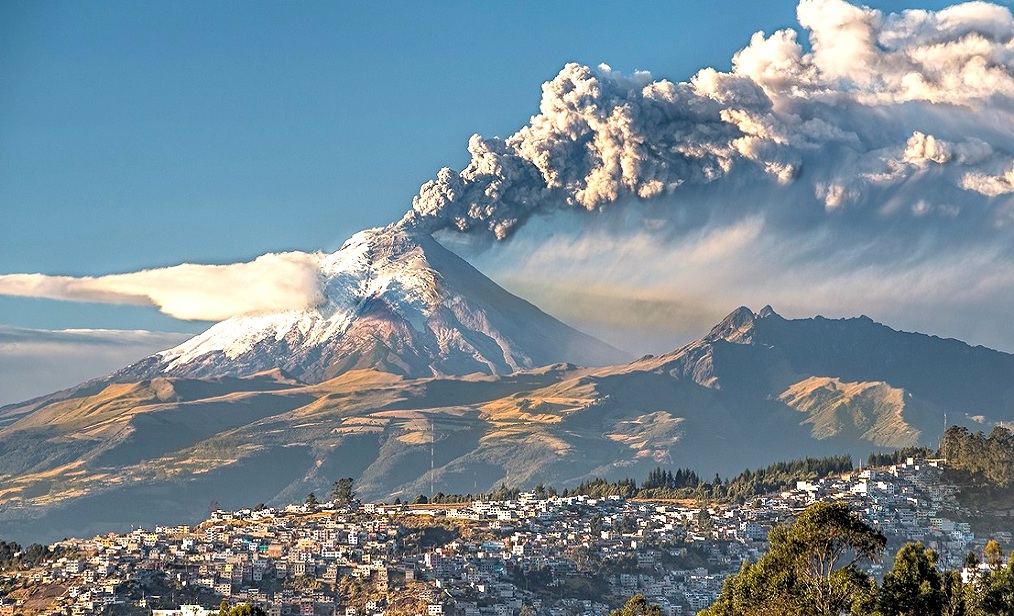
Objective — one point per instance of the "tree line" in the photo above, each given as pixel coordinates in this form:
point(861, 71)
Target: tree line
point(686, 483)
point(898, 456)
point(12, 556)
point(986, 459)
point(664, 483)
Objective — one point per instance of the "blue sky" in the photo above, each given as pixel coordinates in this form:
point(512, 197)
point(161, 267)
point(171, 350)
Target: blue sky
point(865, 167)
point(145, 134)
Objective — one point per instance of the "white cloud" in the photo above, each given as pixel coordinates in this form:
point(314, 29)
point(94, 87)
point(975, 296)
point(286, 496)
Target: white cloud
point(649, 293)
point(877, 99)
point(271, 282)
point(868, 171)
point(990, 185)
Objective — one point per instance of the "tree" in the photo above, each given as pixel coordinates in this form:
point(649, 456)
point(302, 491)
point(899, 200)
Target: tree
point(993, 554)
point(637, 606)
point(957, 595)
point(704, 521)
point(244, 609)
point(914, 586)
point(826, 543)
point(341, 491)
point(972, 562)
point(996, 594)
point(810, 568)
point(7, 554)
point(311, 500)
point(627, 525)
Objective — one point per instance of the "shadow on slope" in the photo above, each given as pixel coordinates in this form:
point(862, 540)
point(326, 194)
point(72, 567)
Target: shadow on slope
point(173, 502)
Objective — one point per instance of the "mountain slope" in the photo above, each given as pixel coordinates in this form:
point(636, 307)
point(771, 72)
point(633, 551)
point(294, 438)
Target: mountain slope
point(895, 387)
point(394, 300)
point(757, 389)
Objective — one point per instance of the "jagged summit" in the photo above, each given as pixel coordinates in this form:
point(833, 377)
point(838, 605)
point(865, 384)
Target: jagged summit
point(392, 299)
point(738, 327)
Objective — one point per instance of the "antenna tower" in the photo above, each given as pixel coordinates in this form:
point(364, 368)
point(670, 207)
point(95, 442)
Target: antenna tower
point(432, 439)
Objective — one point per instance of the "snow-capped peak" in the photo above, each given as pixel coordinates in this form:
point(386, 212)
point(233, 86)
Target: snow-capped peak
point(394, 299)
point(378, 262)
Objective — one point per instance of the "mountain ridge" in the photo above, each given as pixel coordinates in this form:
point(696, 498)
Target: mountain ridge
point(756, 389)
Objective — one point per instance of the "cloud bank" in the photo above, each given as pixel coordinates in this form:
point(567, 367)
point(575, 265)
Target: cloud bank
point(269, 283)
point(651, 293)
point(37, 362)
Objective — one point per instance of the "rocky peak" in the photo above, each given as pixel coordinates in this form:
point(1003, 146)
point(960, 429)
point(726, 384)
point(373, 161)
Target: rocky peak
point(737, 327)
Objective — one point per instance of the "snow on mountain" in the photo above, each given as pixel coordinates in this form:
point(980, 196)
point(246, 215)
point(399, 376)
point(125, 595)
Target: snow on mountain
point(392, 299)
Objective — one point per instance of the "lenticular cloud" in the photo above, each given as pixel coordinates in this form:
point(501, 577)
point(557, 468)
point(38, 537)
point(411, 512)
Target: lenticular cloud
point(269, 283)
point(912, 110)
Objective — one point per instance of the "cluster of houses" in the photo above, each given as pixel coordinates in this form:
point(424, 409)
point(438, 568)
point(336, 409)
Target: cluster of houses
point(573, 556)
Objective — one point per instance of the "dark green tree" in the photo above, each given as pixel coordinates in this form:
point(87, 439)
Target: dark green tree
point(704, 521)
point(810, 569)
point(637, 606)
point(987, 460)
point(341, 491)
point(957, 595)
point(626, 525)
point(311, 500)
point(243, 609)
point(7, 551)
point(914, 586)
point(996, 592)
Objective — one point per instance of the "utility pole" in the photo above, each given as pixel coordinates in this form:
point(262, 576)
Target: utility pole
point(432, 449)
point(940, 445)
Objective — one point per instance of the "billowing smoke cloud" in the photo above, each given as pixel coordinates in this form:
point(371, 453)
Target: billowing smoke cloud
point(870, 170)
point(878, 102)
point(269, 283)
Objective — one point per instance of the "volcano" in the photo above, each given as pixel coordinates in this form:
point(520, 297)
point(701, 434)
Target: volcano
point(394, 300)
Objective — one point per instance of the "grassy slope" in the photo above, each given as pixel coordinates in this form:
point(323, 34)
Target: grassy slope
point(713, 406)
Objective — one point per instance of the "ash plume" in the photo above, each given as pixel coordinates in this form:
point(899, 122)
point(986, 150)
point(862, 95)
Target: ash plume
point(916, 102)
point(862, 163)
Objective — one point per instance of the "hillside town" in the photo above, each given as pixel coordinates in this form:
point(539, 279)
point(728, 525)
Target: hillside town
point(533, 555)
